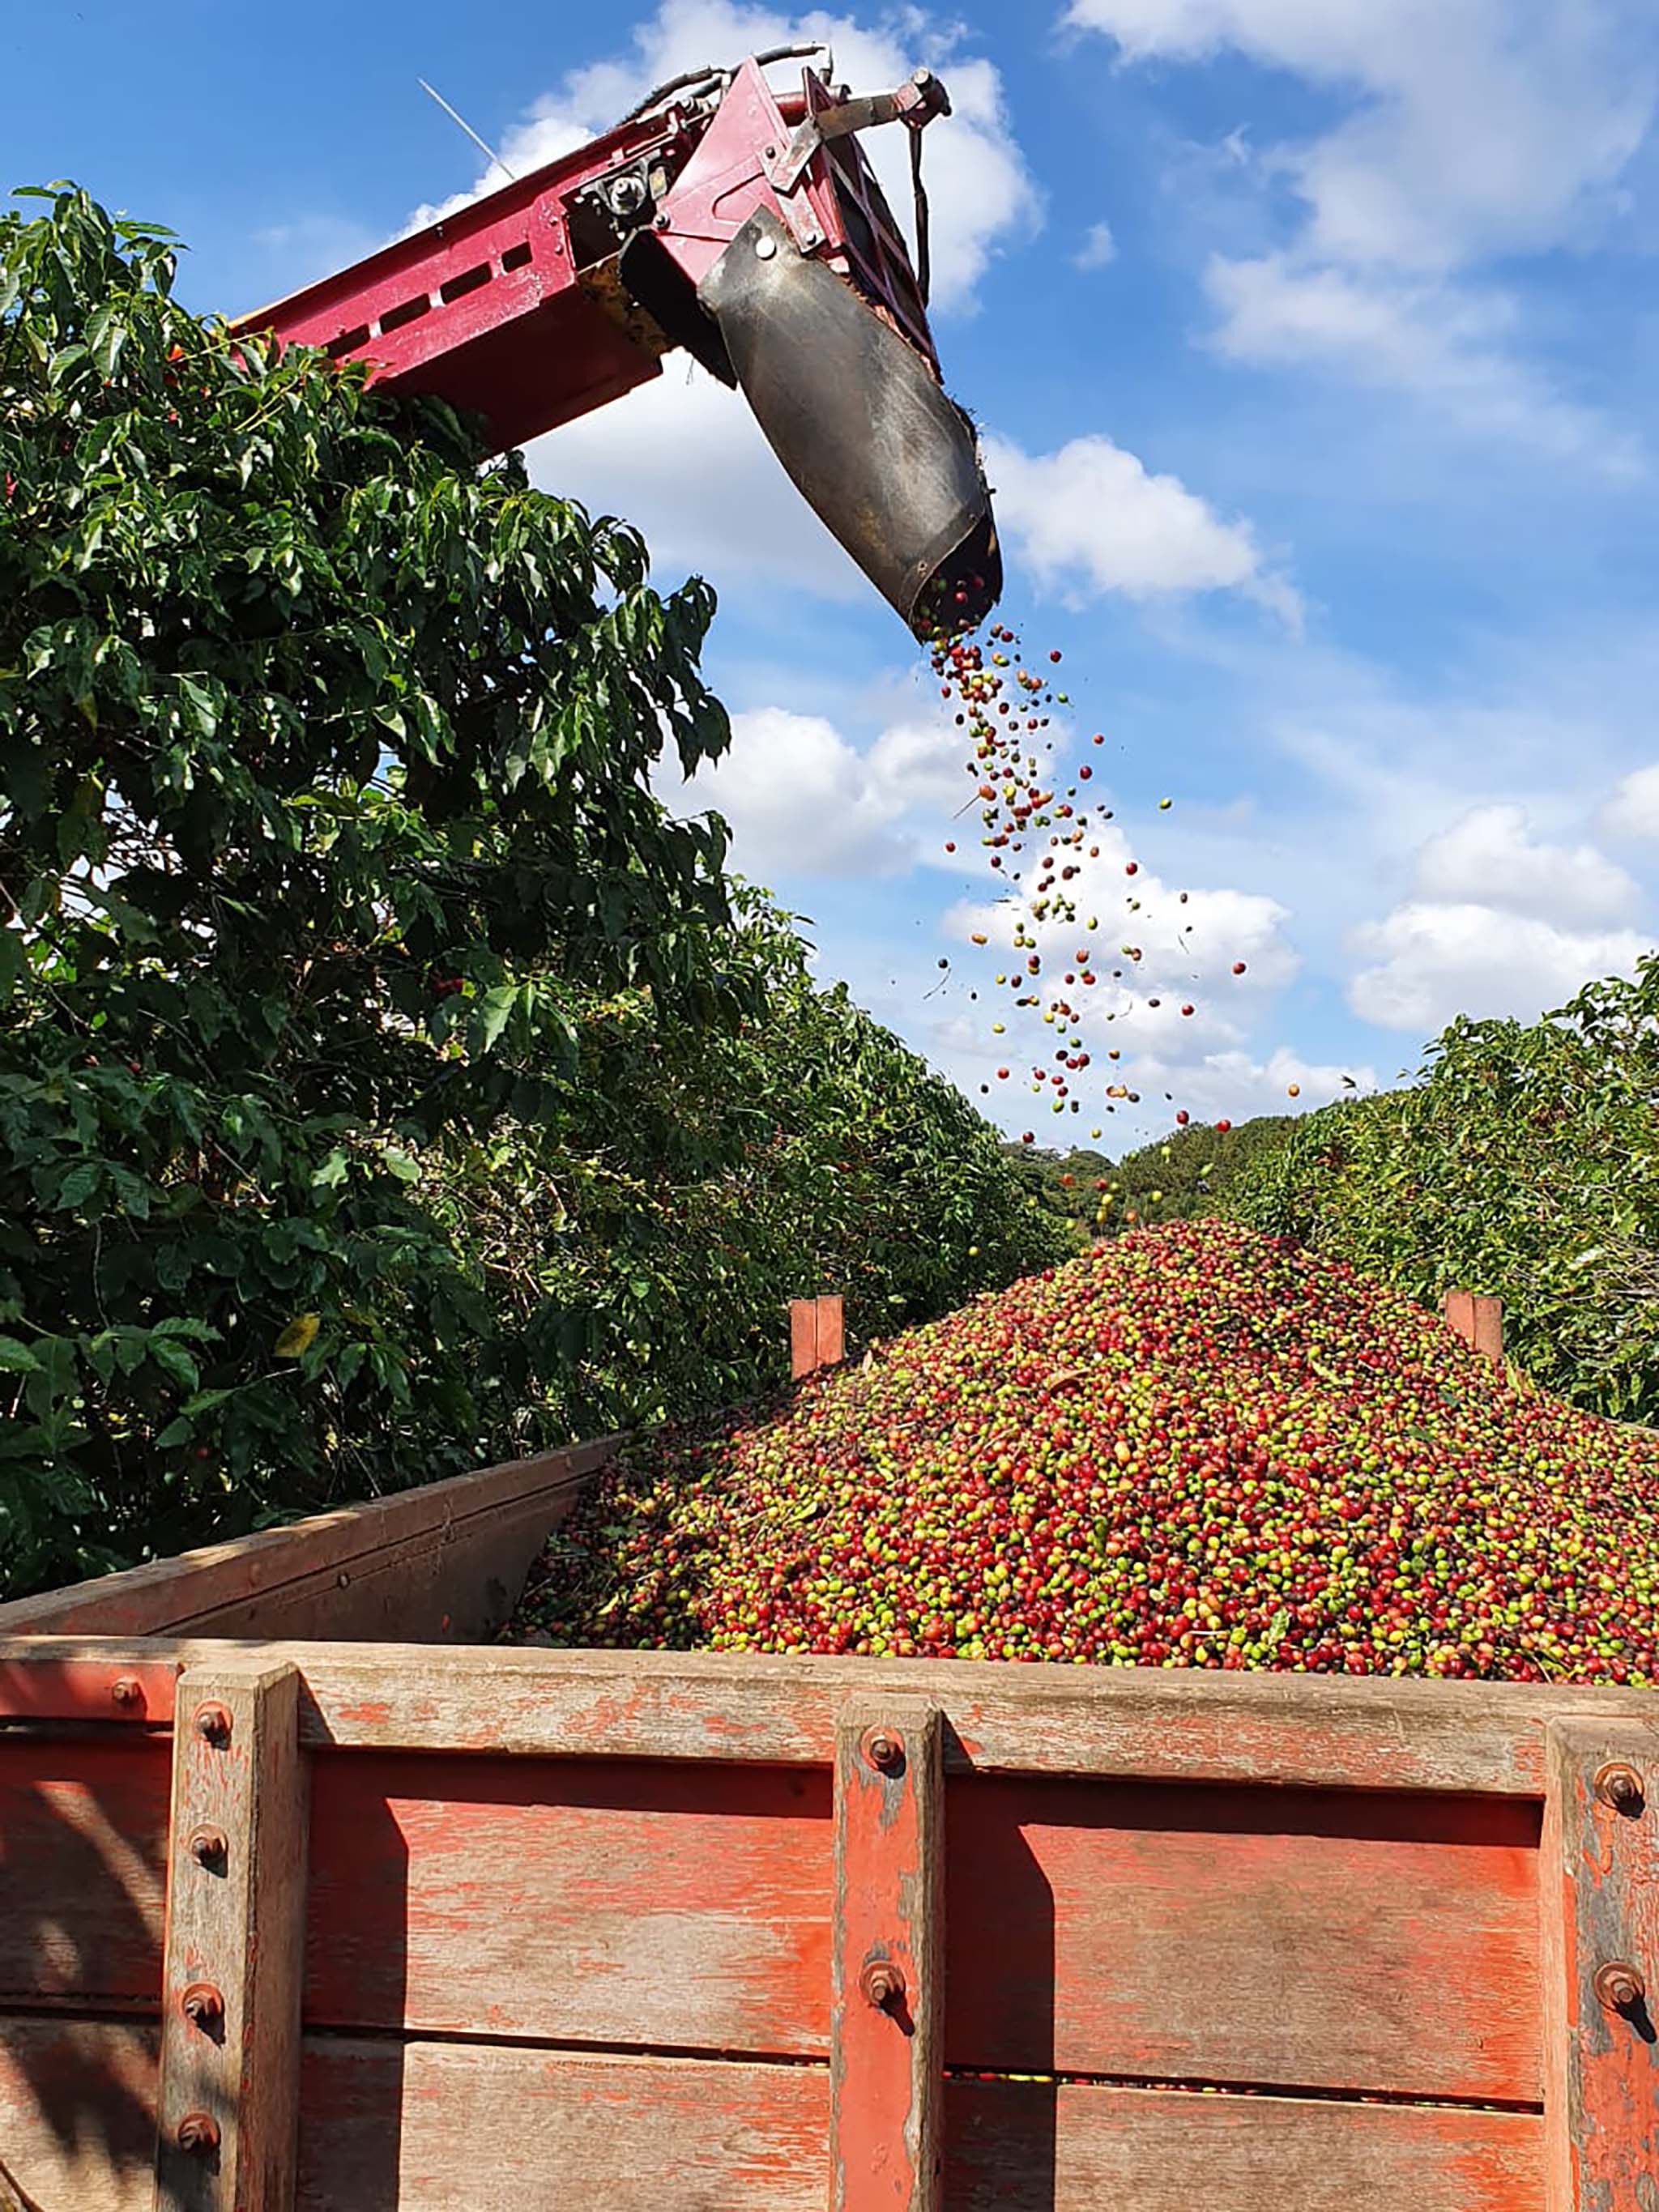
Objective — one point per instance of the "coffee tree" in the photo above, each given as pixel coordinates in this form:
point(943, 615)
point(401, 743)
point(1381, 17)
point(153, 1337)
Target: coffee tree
point(1523, 1163)
point(387, 1083)
point(323, 805)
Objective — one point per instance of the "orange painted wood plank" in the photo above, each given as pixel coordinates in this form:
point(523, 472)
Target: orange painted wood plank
point(77, 2115)
point(1460, 1315)
point(1028, 2147)
point(1296, 1730)
point(1601, 1929)
point(887, 2003)
point(1489, 1328)
point(803, 1337)
point(227, 2105)
point(832, 1330)
point(585, 1900)
point(84, 1831)
point(131, 1692)
point(1339, 1940)
point(425, 2127)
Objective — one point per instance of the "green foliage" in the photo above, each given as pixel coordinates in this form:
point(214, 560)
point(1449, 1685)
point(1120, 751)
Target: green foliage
point(1184, 1176)
point(696, 1179)
point(1523, 1163)
point(339, 929)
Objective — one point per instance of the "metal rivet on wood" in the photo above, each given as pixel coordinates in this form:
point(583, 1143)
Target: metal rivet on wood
point(213, 1725)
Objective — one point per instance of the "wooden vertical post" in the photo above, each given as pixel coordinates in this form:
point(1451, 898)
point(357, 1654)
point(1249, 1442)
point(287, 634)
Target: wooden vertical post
point(887, 2009)
point(1488, 1338)
point(228, 2107)
point(1478, 1321)
point(816, 1336)
point(831, 1333)
point(1599, 1890)
point(803, 1337)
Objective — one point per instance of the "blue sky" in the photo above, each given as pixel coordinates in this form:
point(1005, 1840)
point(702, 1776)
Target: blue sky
point(1317, 343)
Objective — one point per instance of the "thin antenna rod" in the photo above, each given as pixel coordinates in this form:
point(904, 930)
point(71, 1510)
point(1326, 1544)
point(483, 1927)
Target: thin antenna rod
point(483, 144)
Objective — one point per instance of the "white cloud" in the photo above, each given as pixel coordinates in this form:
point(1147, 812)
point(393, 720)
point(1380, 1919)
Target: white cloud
point(684, 461)
point(1633, 810)
point(1099, 248)
point(1431, 962)
point(1489, 859)
point(1235, 1085)
point(1471, 131)
point(1092, 519)
point(804, 801)
point(800, 799)
point(1187, 951)
point(980, 192)
point(1441, 340)
point(1478, 127)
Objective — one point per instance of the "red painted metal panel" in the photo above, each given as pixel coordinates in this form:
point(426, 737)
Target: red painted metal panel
point(495, 309)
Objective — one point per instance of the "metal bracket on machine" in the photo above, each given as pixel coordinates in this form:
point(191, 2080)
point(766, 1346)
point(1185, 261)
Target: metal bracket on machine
point(915, 104)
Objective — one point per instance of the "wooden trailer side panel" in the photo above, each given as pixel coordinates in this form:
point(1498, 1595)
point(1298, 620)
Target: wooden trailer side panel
point(681, 1948)
point(441, 1563)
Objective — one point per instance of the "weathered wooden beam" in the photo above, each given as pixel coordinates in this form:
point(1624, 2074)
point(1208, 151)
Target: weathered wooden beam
point(234, 1970)
point(1314, 1732)
point(446, 1561)
point(1599, 1896)
point(887, 1997)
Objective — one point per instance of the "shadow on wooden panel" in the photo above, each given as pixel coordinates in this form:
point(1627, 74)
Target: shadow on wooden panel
point(1262, 1937)
point(83, 1826)
point(999, 1930)
point(378, 1899)
point(678, 1906)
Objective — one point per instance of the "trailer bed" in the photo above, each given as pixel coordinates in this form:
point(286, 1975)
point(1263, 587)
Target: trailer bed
point(292, 1925)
